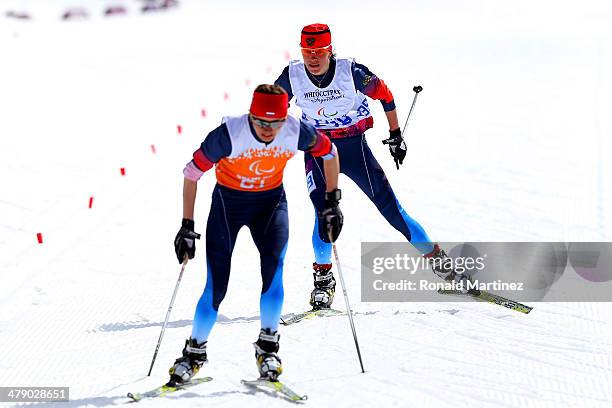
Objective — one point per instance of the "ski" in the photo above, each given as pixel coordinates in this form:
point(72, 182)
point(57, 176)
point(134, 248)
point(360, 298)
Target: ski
point(295, 318)
point(276, 387)
point(167, 389)
point(491, 298)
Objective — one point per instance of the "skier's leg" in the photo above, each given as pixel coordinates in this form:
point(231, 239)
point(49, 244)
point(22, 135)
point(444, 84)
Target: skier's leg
point(270, 232)
point(315, 182)
point(221, 232)
point(220, 237)
point(366, 172)
point(322, 295)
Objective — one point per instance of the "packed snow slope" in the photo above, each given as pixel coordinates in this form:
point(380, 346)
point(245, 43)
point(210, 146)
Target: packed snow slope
point(508, 142)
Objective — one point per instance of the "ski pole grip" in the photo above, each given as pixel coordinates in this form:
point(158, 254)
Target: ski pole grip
point(417, 88)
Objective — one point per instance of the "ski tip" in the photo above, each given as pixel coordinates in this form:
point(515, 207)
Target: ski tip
point(275, 386)
point(299, 398)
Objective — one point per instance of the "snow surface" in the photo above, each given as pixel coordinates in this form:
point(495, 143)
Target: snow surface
point(508, 142)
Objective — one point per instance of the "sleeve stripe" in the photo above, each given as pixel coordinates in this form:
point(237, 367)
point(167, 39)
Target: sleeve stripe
point(322, 146)
point(201, 161)
point(377, 89)
point(332, 153)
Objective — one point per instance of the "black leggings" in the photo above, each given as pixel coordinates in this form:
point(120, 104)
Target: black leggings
point(265, 213)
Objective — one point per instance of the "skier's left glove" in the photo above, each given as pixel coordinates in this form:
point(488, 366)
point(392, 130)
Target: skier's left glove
point(184, 243)
point(397, 146)
point(331, 217)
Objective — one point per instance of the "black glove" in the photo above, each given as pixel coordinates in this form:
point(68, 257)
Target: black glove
point(184, 243)
point(397, 146)
point(331, 218)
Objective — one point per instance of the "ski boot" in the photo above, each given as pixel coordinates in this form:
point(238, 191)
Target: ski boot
point(185, 367)
point(442, 266)
point(268, 361)
point(322, 295)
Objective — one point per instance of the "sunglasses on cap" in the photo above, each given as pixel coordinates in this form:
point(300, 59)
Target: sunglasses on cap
point(268, 124)
point(318, 52)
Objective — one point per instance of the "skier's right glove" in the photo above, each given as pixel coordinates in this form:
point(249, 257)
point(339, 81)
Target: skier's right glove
point(397, 146)
point(331, 216)
point(184, 243)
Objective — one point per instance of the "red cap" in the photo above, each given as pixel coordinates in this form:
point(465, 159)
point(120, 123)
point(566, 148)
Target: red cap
point(316, 36)
point(273, 106)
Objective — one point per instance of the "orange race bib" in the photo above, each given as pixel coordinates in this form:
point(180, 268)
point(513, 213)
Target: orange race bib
point(253, 165)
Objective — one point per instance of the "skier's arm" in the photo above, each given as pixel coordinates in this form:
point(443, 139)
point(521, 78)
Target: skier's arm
point(319, 145)
point(214, 147)
point(190, 189)
point(392, 119)
point(369, 84)
point(184, 242)
point(331, 168)
point(283, 81)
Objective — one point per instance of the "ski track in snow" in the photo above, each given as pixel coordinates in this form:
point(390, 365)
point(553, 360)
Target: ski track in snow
point(485, 162)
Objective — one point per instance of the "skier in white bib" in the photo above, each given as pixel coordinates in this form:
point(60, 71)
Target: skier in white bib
point(331, 92)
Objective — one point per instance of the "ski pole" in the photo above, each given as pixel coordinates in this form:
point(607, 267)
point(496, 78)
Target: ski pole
point(349, 312)
point(416, 90)
point(161, 335)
